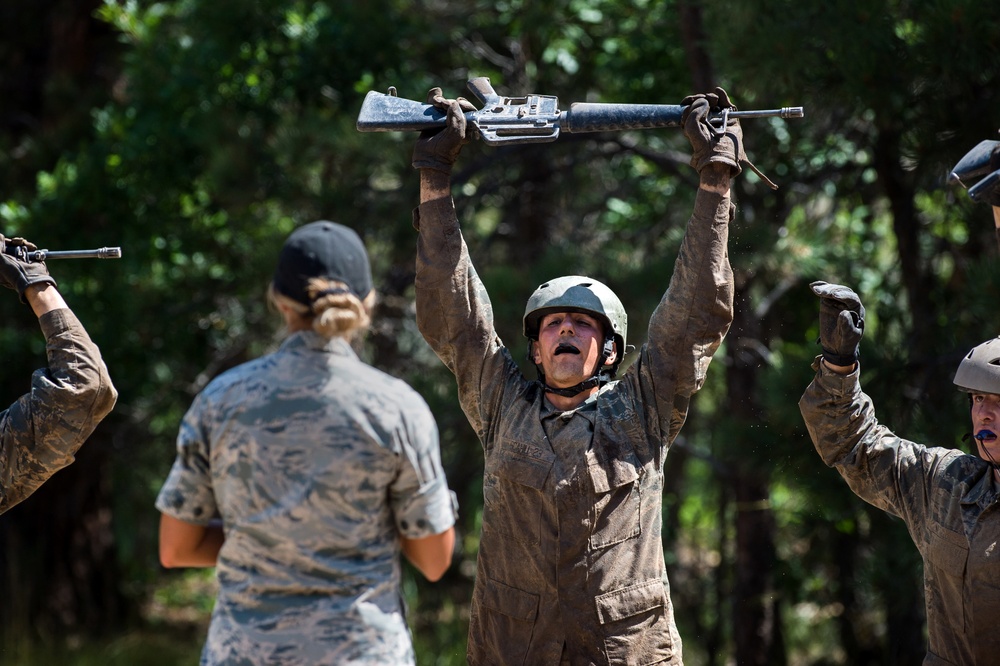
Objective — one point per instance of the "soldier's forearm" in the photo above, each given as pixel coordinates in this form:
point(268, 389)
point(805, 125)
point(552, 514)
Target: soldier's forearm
point(839, 369)
point(434, 185)
point(44, 298)
point(715, 178)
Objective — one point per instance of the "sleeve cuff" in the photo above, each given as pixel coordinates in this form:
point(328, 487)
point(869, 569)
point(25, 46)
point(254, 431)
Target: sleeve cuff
point(57, 321)
point(834, 382)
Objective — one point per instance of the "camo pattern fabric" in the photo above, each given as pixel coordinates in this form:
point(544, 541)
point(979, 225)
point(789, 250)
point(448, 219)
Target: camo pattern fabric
point(42, 431)
point(947, 499)
point(315, 462)
point(570, 566)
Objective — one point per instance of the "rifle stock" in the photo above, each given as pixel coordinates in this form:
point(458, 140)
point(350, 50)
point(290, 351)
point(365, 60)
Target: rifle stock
point(533, 118)
point(381, 112)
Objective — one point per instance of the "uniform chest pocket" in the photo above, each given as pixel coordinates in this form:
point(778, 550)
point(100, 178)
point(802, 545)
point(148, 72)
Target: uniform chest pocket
point(512, 485)
point(946, 555)
point(947, 551)
point(617, 505)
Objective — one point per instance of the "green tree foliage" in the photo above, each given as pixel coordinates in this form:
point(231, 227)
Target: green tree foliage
point(200, 133)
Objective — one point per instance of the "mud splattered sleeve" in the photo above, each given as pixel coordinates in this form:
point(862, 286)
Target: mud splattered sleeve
point(881, 468)
point(455, 316)
point(42, 431)
point(691, 320)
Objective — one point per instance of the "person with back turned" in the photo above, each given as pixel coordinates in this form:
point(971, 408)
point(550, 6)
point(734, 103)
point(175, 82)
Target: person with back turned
point(302, 475)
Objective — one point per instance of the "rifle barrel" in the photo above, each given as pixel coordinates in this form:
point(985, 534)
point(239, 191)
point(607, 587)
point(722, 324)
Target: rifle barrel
point(783, 112)
point(600, 117)
point(99, 253)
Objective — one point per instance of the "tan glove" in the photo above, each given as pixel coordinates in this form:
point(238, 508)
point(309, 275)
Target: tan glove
point(711, 144)
point(439, 148)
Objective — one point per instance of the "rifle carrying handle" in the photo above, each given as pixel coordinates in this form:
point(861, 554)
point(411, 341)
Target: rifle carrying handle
point(483, 91)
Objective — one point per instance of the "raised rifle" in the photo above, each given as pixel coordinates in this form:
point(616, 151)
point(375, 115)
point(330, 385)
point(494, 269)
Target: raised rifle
point(535, 118)
point(24, 254)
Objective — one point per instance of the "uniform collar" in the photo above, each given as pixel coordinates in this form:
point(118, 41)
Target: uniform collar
point(984, 491)
point(587, 408)
point(315, 341)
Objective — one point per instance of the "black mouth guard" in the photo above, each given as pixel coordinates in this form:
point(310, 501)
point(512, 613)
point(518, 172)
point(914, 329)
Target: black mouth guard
point(566, 349)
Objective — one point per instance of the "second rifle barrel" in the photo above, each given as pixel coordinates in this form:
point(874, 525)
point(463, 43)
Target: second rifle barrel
point(100, 253)
point(783, 112)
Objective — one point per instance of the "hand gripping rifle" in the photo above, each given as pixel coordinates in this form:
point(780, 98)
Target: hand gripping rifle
point(22, 253)
point(534, 118)
point(983, 162)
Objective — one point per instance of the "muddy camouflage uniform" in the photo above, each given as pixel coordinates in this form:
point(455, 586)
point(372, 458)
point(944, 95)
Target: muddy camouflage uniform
point(41, 432)
point(947, 499)
point(315, 462)
point(571, 550)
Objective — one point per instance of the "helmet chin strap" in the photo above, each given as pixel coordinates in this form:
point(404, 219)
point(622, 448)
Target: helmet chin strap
point(574, 390)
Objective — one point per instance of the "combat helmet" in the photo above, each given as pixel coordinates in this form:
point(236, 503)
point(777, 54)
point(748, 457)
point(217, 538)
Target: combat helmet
point(979, 371)
point(576, 293)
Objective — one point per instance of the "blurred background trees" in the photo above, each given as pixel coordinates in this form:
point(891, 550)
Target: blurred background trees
point(197, 135)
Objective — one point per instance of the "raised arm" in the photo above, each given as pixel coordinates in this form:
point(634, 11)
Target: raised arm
point(454, 313)
point(696, 311)
point(42, 431)
point(884, 470)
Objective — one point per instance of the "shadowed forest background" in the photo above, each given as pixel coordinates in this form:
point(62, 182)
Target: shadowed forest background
point(196, 134)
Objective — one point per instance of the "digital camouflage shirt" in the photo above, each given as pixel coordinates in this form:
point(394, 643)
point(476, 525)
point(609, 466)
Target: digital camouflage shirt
point(947, 499)
point(570, 564)
point(42, 431)
point(316, 463)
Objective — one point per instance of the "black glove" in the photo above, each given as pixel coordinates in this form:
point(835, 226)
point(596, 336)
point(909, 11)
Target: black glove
point(18, 274)
point(841, 322)
point(711, 144)
point(982, 161)
point(988, 190)
point(439, 148)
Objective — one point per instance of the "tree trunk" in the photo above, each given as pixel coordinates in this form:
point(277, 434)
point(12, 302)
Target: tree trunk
point(58, 556)
point(856, 637)
point(756, 620)
point(901, 589)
